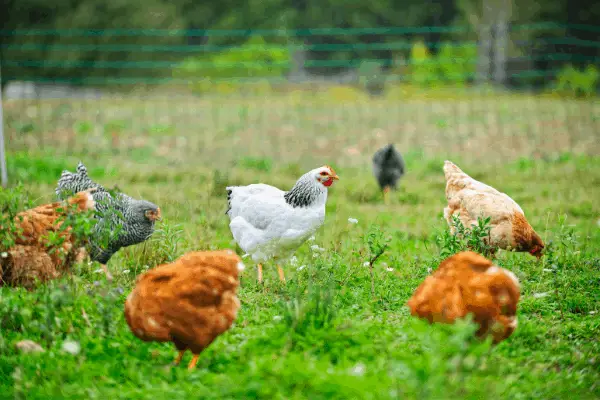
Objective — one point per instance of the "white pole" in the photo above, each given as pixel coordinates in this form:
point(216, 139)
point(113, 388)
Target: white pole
point(3, 172)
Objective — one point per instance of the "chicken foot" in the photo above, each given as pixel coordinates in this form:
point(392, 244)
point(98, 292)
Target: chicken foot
point(193, 362)
point(260, 273)
point(109, 276)
point(281, 275)
point(386, 195)
point(179, 357)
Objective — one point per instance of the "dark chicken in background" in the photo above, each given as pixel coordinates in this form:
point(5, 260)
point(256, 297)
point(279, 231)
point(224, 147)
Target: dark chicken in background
point(388, 168)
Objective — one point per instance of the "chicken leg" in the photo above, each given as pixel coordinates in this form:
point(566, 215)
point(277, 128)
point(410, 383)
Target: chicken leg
point(260, 275)
point(281, 275)
point(109, 276)
point(386, 195)
point(179, 357)
point(192, 363)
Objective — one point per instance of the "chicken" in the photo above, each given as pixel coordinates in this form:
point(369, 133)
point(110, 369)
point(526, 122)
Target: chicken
point(122, 220)
point(188, 302)
point(468, 283)
point(268, 223)
point(470, 199)
point(388, 168)
point(35, 257)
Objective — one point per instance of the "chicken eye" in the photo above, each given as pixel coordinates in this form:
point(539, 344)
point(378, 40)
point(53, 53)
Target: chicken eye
point(323, 173)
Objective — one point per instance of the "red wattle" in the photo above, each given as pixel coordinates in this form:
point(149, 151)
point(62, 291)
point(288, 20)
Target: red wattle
point(328, 182)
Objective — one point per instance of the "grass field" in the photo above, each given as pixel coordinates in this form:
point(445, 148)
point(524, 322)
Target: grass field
point(324, 335)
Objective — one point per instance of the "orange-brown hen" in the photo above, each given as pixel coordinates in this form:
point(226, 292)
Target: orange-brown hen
point(469, 283)
point(188, 302)
point(34, 258)
point(470, 199)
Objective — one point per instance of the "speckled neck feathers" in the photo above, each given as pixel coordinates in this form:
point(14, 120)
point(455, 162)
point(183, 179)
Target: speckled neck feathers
point(307, 192)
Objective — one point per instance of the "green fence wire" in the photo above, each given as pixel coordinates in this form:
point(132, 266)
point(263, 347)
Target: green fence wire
point(535, 54)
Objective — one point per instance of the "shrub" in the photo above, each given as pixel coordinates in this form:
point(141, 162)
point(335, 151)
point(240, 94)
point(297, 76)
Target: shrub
point(230, 70)
point(423, 68)
point(456, 64)
point(573, 82)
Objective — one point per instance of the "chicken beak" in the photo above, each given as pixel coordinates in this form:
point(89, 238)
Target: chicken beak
point(335, 177)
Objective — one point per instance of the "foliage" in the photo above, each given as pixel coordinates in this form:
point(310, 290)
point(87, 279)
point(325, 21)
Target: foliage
point(571, 81)
point(12, 201)
point(15, 200)
point(423, 66)
point(345, 345)
point(246, 67)
point(72, 58)
point(457, 63)
point(304, 314)
point(474, 238)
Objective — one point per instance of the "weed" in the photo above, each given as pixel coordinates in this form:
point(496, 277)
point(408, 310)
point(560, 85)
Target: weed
point(377, 244)
point(474, 238)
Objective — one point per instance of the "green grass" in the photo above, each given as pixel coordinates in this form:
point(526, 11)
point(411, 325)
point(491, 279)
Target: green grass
point(323, 335)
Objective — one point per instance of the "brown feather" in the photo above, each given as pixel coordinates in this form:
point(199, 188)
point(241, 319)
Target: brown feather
point(33, 259)
point(468, 283)
point(188, 302)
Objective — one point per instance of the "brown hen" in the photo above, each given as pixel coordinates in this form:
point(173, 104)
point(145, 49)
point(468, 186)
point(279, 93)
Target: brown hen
point(470, 199)
point(468, 283)
point(188, 302)
point(34, 258)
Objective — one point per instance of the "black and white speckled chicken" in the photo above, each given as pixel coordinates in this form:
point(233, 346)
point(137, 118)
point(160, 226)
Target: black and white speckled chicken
point(388, 168)
point(122, 220)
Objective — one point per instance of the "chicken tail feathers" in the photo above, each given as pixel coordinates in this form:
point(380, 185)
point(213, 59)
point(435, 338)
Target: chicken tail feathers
point(451, 169)
point(71, 183)
point(228, 201)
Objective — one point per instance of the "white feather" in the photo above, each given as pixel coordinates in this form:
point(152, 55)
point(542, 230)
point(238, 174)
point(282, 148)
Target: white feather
point(265, 226)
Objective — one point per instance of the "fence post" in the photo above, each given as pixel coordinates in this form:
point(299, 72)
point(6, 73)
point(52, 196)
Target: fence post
point(3, 171)
point(501, 42)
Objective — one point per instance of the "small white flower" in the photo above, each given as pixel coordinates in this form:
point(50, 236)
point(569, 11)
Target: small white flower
point(99, 271)
point(277, 318)
point(125, 271)
point(294, 260)
point(71, 347)
point(540, 295)
point(366, 264)
point(300, 268)
point(592, 312)
point(315, 247)
point(353, 220)
point(358, 370)
point(429, 270)
point(4, 254)
point(389, 269)
point(310, 239)
point(547, 270)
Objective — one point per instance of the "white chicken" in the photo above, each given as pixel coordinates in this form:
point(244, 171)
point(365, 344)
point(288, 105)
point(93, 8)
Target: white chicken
point(268, 223)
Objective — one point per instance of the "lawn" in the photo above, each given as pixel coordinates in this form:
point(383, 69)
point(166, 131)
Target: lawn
point(324, 335)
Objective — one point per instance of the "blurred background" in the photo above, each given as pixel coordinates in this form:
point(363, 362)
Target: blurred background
point(300, 82)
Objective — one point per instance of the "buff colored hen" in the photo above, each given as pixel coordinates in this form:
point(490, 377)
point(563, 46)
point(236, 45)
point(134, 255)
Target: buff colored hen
point(34, 258)
point(469, 283)
point(188, 302)
point(470, 199)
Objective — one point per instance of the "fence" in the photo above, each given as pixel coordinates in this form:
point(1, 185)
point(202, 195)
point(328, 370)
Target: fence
point(300, 96)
